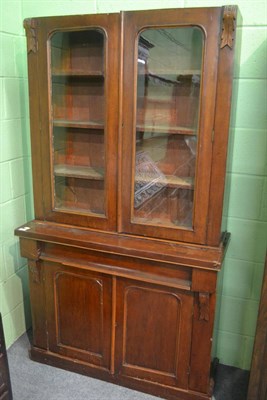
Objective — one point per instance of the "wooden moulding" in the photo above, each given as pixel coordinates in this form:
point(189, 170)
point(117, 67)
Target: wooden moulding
point(30, 25)
point(191, 255)
point(30, 249)
point(204, 281)
point(204, 307)
point(167, 392)
point(229, 19)
point(120, 266)
point(66, 363)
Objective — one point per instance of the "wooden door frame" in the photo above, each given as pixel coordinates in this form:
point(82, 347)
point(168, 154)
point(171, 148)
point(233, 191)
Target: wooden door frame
point(40, 110)
point(134, 23)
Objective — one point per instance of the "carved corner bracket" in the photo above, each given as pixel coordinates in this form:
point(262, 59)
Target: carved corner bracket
point(35, 265)
point(30, 25)
point(228, 26)
point(35, 271)
point(204, 306)
point(32, 249)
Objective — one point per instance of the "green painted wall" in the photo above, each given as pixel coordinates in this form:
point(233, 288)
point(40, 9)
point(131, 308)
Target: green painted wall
point(15, 186)
point(246, 173)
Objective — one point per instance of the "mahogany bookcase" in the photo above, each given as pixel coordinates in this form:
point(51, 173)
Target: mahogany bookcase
point(129, 128)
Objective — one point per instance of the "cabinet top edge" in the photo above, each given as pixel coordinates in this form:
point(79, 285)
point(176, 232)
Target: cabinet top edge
point(188, 254)
point(30, 20)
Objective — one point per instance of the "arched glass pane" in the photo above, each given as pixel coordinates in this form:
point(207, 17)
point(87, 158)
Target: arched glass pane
point(167, 116)
point(78, 121)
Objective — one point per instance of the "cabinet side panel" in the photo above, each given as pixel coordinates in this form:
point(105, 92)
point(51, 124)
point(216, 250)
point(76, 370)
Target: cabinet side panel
point(221, 126)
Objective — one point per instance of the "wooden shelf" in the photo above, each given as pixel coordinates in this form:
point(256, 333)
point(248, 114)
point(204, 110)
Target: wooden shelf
point(78, 73)
point(171, 181)
point(64, 123)
point(179, 130)
point(166, 222)
point(77, 171)
point(180, 182)
point(165, 74)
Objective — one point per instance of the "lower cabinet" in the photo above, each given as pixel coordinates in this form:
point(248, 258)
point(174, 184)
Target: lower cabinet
point(143, 324)
point(130, 328)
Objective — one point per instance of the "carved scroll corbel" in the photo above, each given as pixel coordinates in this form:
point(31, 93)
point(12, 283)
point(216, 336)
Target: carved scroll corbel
point(30, 25)
point(35, 265)
point(228, 26)
point(31, 249)
point(35, 271)
point(204, 306)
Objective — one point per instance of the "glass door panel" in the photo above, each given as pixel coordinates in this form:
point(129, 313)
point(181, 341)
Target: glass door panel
point(167, 115)
point(78, 121)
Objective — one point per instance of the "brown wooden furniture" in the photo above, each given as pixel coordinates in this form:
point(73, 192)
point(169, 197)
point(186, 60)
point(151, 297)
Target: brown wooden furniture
point(5, 384)
point(129, 126)
point(258, 373)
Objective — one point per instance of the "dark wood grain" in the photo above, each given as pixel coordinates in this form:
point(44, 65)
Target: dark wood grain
point(78, 313)
point(148, 248)
point(143, 310)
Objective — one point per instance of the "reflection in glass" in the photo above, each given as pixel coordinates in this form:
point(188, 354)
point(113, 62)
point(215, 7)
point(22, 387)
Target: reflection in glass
point(167, 113)
point(77, 82)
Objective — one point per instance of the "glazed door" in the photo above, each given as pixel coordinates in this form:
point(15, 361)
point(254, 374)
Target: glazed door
point(78, 314)
point(154, 325)
point(77, 60)
point(169, 88)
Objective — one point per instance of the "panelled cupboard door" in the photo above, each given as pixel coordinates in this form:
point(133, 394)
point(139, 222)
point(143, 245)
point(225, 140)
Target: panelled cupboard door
point(169, 90)
point(79, 314)
point(73, 77)
point(153, 333)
